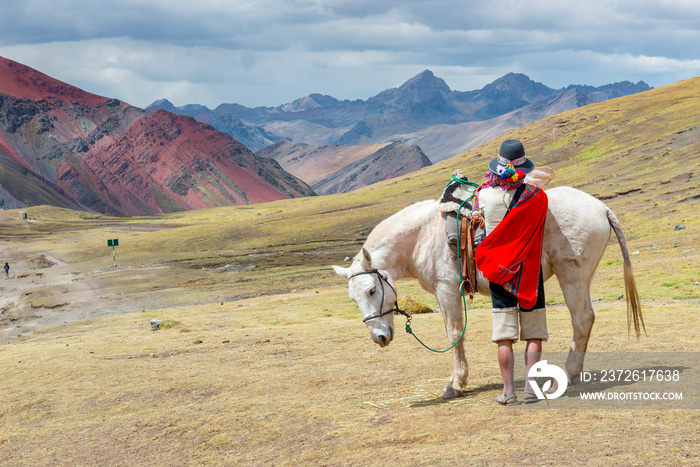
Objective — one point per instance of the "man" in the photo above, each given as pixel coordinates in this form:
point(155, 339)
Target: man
point(509, 257)
point(7, 270)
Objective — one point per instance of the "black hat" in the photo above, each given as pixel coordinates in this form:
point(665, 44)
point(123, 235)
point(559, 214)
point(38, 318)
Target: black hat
point(512, 152)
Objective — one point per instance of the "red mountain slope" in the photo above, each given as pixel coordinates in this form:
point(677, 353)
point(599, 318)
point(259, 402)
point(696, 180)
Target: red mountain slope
point(101, 154)
point(20, 81)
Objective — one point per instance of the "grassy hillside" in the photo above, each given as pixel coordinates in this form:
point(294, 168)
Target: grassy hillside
point(264, 359)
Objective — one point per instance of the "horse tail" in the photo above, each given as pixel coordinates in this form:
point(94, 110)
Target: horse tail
point(634, 308)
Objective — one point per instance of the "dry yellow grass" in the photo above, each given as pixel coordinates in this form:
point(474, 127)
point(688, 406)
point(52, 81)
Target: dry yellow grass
point(294, 379)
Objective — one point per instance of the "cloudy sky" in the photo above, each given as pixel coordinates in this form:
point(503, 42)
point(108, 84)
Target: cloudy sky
point(270, 52)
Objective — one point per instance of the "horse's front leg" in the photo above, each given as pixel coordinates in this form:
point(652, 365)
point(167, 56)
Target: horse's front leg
point(453, 316)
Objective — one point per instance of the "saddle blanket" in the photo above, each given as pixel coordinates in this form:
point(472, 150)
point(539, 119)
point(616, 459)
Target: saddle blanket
point(455, 195)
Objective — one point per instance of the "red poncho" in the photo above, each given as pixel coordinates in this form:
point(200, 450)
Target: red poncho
point(511, 254)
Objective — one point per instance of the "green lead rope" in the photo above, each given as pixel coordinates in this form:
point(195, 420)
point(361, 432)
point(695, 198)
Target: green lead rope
point(410, 331)
point(463, 182)
point(459, 266)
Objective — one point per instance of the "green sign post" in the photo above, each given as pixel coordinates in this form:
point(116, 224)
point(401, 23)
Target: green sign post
point(113, 242)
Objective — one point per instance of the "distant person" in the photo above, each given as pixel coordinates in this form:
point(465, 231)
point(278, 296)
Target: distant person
point(509, 257)
point(7, 270)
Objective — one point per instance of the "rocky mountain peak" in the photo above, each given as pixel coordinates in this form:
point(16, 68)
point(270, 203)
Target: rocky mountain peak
point(424, 92)
point(164, 104)
point(312, 101)
point(425, 82)
point(520, 85)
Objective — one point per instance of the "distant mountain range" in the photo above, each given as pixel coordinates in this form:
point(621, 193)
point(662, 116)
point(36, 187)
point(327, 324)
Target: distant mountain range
point(343, 168)
point(62, 146)
point(423, 111)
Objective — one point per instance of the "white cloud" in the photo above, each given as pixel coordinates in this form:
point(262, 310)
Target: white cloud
point(652, 65)
point(268, 52)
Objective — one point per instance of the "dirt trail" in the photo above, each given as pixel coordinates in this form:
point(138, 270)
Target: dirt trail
point(68, 294)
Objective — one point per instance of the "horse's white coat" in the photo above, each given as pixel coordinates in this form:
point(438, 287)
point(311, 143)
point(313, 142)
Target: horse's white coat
point(412, 244)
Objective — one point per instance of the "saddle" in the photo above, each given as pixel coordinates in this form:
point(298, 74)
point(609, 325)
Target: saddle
point(464, 228)
point(469, 239)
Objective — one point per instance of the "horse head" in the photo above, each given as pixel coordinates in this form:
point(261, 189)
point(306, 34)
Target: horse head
point(374, 293)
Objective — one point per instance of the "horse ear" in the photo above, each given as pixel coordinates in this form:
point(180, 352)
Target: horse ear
point(366, 260)
point(341, 271)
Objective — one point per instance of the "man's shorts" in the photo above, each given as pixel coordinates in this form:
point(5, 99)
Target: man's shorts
point(508, 318)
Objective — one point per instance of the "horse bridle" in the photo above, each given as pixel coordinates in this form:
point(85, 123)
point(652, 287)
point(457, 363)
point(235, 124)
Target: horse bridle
point(382, 279)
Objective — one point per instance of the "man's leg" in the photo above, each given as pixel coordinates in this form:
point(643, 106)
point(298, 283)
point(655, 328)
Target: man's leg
point(505, 362)
point(533, 353)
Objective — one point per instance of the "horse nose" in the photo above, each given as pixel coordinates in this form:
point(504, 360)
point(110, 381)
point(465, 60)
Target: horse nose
point(383, 337)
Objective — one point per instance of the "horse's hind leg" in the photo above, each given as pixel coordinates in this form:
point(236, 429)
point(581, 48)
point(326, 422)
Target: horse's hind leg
point(577, 295)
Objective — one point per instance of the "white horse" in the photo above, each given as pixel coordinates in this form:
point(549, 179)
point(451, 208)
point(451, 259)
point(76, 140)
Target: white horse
point(412, 244)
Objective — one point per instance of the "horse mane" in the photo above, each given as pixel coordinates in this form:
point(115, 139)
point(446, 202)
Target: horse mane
point(396, 227)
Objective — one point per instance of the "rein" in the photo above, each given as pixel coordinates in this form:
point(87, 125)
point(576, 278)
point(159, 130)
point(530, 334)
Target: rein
point(395, 308)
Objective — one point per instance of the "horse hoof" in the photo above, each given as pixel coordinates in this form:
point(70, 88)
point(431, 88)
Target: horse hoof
point(570, 381)
point(451, 393)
